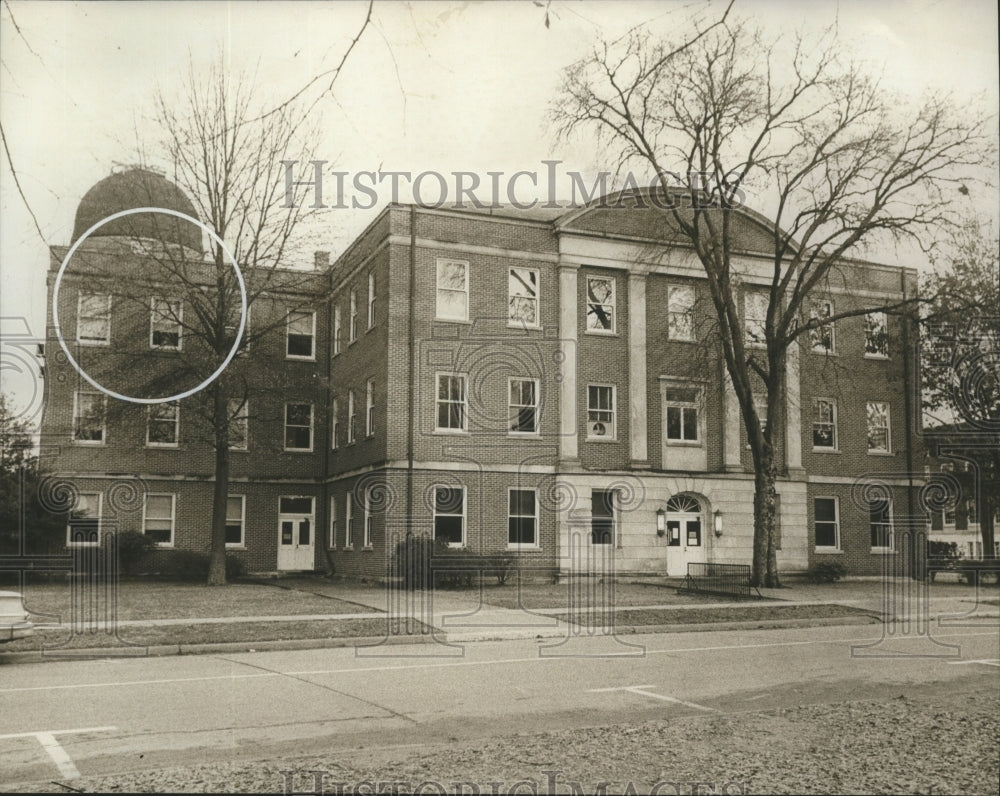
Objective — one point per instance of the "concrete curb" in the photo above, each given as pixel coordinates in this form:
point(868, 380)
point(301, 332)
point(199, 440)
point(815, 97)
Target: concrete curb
point(458, 637)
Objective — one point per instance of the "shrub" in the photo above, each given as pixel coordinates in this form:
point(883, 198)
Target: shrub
point(826, 572)
point(133, 549)
point(191, 565)
point(942, 550)
point(421, 562)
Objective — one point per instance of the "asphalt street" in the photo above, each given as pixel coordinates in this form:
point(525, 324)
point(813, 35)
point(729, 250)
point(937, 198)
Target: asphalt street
point(62, 720)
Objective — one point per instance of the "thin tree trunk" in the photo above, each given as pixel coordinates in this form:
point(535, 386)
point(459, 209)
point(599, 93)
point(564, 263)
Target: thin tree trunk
point(765, 564)
point(217, 559)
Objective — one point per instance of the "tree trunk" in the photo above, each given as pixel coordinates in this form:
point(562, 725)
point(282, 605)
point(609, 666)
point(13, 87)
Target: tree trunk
point(986, 528)
point(765, 562)
point(217, 559)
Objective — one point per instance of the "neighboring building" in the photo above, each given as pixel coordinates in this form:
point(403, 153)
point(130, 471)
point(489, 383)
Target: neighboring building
point(545, 382)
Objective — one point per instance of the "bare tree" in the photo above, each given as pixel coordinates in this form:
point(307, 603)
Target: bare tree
point(846, 165)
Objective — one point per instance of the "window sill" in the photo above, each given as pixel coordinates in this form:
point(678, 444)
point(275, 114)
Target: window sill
point(681, 340)
point(239, 450)
point(599, 333)
point(236, 547)
point(525, 434)
point(464, 321)
point(74, 545)
point(826, 450)
point(881, 453)
point(883, 551)
point(163, 445)
point(602, 439)
point(163, 545)
point(828, 551)
point(94, 343)
point(297, 450)
point(527, 547)
point(455, 432)
point(682, 443)
point(524, 327)
point(883, 357)
point(368, 549)
point(93, 443)
point(370, 328)
point(824, 353)
point(294, 358)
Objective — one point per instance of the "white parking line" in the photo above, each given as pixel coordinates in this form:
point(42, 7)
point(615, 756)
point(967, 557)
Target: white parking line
point(985, 661)
point(58, 755)
point(641, 690)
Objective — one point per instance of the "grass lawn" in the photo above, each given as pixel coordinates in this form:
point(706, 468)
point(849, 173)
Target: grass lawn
point(749, 613)
point(249, 632)
point(535, 596)
point(139, 600)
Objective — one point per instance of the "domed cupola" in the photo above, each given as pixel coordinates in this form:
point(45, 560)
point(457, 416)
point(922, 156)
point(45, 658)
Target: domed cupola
point(138, 187)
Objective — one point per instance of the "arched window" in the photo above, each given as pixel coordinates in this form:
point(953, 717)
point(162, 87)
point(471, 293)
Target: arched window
point(683, 504)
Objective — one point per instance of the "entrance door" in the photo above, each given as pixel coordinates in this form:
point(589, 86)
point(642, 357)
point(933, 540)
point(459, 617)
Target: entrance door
point(296, 549)
point(686, 541)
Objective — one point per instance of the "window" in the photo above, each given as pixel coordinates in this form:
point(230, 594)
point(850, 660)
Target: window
point(336, 330)
point(301, 331)
point(451, 402)
point(827, 523)
point(351, 419)
point(158, 519)
point(680, 313)
point(602, 516)
point(523, 406)
point(452, 290)
point(370, 408)
point(165, 324)
point(880, 523)
point(600, 411)
point(522, 518)
point(239, 425)
point(755, 318)
point(352, 331)
point(449, 514)
point(368, 517)
point(682, 413)
point(824, 424)
point(88, 417)
point(298, 427)
point(877, 415)
point(163, 425)
point(335, 424)
point(93, 319)
point(332, 541)
point(235, 520)
point(84, 528)
point(876, 335)
point(233, 327)
point(600, 304)
point(348, 520)
point(371, 299)
point(823, 337)
point(522, 297)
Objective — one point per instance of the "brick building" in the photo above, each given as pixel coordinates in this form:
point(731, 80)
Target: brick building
point(545, 382)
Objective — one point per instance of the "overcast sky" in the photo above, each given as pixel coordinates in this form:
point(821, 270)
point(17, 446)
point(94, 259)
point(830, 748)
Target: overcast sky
point(430, 86)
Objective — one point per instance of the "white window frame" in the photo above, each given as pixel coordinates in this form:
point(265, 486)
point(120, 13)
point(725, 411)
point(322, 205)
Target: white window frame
point(348, 520)
point(885, 331)
point(371, 300)
point(816, 334)
point(177, 424)
point(352, 321)
point(367, 528)
point(464, 429)
point(173, 515)
point(242, 543)
point(312, 423)
point(331, 539)
point(77, 417)
point(105, 317)
point(513, 407)
point(179, 323)
point(835, 548)
point(311, 356)
point(370, 408)
point(464, 515)
point(335, 424)
point(835, 447)
point(697, 404)
point(588, 304)
point(438, 308)
point(614, 518)
point(533, 300)
point(613, 436)
point(752, 324)
point(522, 545)
point(687, 313)
point(241, 417)
point(887, 450)
point(892, 530)
point(352, 422)
point(69, 525)
point(336, 329)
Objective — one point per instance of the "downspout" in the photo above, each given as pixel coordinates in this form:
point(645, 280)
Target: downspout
point(329, 406)
point(916, 556)
point(411, 344)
